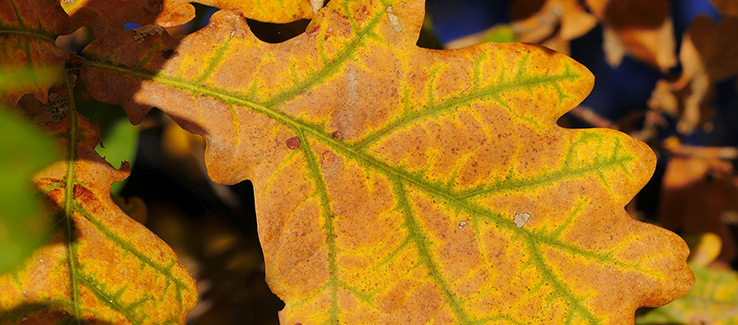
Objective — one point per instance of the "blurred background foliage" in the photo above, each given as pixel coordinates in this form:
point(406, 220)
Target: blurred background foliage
point(665, 74)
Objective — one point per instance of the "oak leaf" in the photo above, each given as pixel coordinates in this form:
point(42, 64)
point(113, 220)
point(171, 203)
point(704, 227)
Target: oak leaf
point(27, 33)
point(100, 265)
point(397, 184)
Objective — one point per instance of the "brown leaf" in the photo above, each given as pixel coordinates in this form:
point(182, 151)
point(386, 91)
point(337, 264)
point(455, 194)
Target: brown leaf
point(644, 28)
point(551, 22)
point(710, 48)
point(104, 17)
point(696, 191)
point(708, 54)
point(27, 37)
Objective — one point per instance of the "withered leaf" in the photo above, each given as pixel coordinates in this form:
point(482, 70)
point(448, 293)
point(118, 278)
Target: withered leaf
point(643, 29)
point(553, 23)
point(708, 54)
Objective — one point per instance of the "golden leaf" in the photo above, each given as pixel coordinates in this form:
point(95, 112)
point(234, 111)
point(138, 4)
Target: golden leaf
point(397, 184)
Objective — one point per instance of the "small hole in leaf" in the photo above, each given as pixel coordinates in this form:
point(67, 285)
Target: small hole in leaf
point(277, 33)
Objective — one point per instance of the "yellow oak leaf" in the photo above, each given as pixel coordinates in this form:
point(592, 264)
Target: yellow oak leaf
point(396, 184)
point(100, 266)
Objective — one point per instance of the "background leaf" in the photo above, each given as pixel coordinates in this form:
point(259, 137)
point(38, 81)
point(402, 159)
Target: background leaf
point(643, 29)
point(118, 138)
point(104, 17)
point(23, 227)
point(27, 33)
point(399, 184)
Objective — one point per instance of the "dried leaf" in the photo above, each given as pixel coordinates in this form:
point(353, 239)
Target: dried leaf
point(551, 23)
point(644, 28)
point(387, 177)
point(564, 20)
point(27, 33)
point(710, 48)
point(104, 17)
point(708, 54)
point(696, 191)
point(100, 265)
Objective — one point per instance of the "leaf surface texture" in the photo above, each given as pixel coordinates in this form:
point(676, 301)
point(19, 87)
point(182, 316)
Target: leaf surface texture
point(398, 184)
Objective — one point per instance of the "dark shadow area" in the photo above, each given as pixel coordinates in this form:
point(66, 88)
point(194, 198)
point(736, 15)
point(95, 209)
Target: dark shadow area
point(41, 314)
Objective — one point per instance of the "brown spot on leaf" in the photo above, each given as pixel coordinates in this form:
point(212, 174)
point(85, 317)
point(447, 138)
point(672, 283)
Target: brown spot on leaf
point(327, 158)
point(337, 135)
point(293, 143)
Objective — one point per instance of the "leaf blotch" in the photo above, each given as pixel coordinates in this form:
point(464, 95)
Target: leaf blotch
point(293, 143)
point(327, 158)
